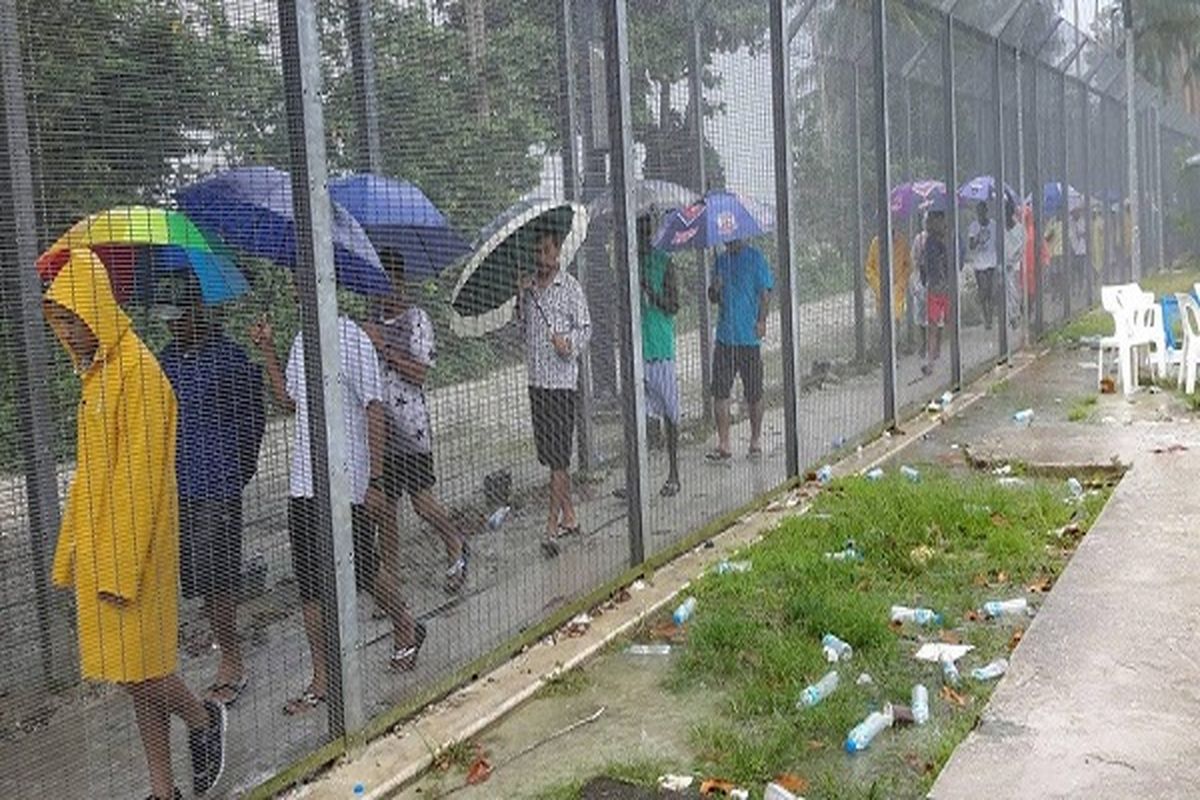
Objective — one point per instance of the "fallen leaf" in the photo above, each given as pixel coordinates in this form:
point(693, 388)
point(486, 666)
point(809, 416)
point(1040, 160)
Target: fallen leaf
point(816, 744)
point(918, 764)
point(972, 616)
point(896, 625)
point(480, 771)
point(999, 520)
point(922, 554)
point(712, 787)
point(668, 632)
point(998, 579)
point(950, 637)
point(792, 782)
point(980, 580)
point(1015, 639)
point(1108, 385)
point(952, 696)
point(1041, 585)
point(811, 477)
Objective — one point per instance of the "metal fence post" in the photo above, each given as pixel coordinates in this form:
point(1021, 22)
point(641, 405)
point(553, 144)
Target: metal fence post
point(1161, 188)
point(883, 170)
point(1064, 211)
point(860, 315)
point(1038, 192)
point(781, 118)
point(633, 396)
point(317, 292)
point(696, 100)
point(1089, 264)
point(1001, 183)
point(360, 34)
point(31, 358)
point(952, 254)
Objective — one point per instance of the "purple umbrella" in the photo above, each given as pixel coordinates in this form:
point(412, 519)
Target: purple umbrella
point(718, 218)
point(917, 195)
point(982, 189)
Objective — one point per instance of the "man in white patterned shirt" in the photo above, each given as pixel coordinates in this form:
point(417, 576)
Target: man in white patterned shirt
point(554, 312)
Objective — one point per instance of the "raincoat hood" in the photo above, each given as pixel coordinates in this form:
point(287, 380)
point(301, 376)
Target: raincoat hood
point(83, 288)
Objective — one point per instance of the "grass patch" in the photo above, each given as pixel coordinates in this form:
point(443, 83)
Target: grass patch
point(756, 636)
point(565, 684)
point(1082, 409)
point(642, 773)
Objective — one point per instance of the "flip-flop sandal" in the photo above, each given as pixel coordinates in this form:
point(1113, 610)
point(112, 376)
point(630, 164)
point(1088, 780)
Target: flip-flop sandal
point(718, 456)
point(456, 576)
point(669, 489)
point(550, 548)
point(303, 704)
point(235, 689)
point(404, 659)
point(563, 530)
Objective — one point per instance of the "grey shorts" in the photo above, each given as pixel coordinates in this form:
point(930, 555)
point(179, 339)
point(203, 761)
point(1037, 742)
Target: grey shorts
point(662, 389)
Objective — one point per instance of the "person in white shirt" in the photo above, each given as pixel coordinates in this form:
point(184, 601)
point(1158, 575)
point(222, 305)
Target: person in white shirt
point(1014, 258)
point(365, 420)
point(981, 256)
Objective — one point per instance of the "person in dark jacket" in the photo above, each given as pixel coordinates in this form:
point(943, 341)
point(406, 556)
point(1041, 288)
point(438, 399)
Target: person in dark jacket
point(221, 421)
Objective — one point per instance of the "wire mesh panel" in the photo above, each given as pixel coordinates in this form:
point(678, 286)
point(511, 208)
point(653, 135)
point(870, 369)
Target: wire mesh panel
point(1012, 127)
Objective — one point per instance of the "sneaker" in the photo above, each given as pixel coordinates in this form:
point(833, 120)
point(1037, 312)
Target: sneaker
point(207, 747)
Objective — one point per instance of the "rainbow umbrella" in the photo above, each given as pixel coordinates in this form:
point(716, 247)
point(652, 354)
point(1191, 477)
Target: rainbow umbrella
point(136, 243)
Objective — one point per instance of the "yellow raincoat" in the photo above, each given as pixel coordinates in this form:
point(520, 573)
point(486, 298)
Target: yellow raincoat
point(901, 271)
point(120, 528)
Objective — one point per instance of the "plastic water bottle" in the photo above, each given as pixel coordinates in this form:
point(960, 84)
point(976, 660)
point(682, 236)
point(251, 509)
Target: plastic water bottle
point(912, 473)
point(836, 649)
point(1018, 606)
point(849, 552)
point(860, 737)
point(498, 517)
point(1075, 488)
point(920, 704)
point(946, 398)
point(991, 671)
point(776, 792)
point(875, 474)
point(950, 674)
point(818, 691)
point(685, 611)
point(1023, 417)
point(649, 650)
point(919, 616)
point(728, 567)
point(825, 475)
point(839, 442)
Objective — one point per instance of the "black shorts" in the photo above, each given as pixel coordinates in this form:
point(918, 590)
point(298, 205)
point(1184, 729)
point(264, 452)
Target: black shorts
point(742, 360)
point(553, 425)
point(210, 546)
point(406, 472)
point(307, 544)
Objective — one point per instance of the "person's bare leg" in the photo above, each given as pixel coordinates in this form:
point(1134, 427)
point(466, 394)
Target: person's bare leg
point(721, 408)
point(154, 701)
point(554, 508)
point(560, 490)
point(314, 630)
point(387, 581)
point(221, 610)
point(434, 513)
point(756, 420)
point(672, 430)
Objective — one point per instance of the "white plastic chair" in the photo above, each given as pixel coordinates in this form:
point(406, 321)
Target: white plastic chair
point(1189, 312)
point(1112, 300)
point(1147, 334)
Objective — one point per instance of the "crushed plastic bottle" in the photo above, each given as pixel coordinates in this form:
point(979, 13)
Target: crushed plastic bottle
point(849, 552)
point(920, 704)
point(864, 679)
point(1075, 488)
point(825, 475)
point(860, 737)
point(649, 650)
point(918, 616)
point(818, 691)
point(776, 792)
point(946, 399)
point(911, 473)
point(875, 474)
point(730, 567)
point(836, 649)
point(496, 520)
point(950, 674)
point(991, 671)
point(1017, 607)
point(685, 611)
point(1023, 417)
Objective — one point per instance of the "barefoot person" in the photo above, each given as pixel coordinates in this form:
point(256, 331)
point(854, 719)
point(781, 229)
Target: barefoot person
point(119, 544)
point(554, 312)
point(365, 425)
point(221, 421)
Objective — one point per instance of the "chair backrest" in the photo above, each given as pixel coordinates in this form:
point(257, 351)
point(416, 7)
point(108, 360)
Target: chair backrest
point(1110, 299)
point(1189, 311)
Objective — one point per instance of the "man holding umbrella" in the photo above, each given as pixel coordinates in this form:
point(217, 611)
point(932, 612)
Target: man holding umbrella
point(741, 288)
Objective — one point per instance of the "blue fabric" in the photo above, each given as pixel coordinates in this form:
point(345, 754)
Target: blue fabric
point(743, 277)
point(719, 218)
point(221, 417)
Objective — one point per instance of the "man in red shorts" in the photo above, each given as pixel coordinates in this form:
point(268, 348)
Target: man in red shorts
point(935, 276)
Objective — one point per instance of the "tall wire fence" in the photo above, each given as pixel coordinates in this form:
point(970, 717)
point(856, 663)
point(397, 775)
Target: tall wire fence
point(393, 334)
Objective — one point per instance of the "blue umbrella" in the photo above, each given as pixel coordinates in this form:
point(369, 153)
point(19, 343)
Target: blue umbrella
point(251, 209)
point(1052, 198)
point(983, 189)
point(399, 217)
point(718, 218)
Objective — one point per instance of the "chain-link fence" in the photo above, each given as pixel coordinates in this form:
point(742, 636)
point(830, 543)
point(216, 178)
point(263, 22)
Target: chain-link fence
point(353, 347)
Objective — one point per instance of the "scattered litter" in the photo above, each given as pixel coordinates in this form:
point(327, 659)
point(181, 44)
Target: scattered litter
point(920, 704)
point(791, 782)
point(947, 398)
point(479, 772)
point(875, 474)
point(685, 611)
point(728, 567)
point(922, 554)
point(675, 783)
point(954, 447)
point(911, 473)
point(1041, 585)
point(359, 789)
point(649, 650)
point(947, 636)
point(776, 792)
point(1075, 488)
point(717, 787)
point(1023, 417)
point(1173, 448)
point(579, 625)
point(838, 442)
point(836, 649)
point(864, 679)
point(919, 616)
point(668, 632)
point(1011, 482)
point(1017, 607)
point(816, 692)
point(858, 450)
point(902, 716)
point(1154, 390)
point(919, 765)
point(1003, 470)
point(950, 674)
point(991, 671)
point(496, 520)
point(849, 552)
point(637, 585)
point(860, 737)
point(1107, 385)
point(935, 652)
point(825, 475)
point(1015, 639)
point(957, 698)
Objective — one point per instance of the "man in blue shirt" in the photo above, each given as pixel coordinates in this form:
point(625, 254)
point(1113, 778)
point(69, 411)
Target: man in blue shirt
point(741, 287)
point(221, 423)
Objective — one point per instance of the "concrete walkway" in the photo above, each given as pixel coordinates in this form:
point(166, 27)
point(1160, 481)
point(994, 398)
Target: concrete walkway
point(1101, 700)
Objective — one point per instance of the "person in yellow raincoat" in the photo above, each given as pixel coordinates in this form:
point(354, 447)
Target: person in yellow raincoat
point(118, 548)
point(901, 270)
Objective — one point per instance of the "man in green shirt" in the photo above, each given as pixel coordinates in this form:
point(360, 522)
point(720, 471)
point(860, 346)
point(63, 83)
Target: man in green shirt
point(660, 304)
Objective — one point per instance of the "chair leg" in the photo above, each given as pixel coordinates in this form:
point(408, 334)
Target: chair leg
point(1100, 368)
point(1126, 355)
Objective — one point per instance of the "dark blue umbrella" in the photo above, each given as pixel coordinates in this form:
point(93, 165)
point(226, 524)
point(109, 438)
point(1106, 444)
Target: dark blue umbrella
point(251, 209)
point(399, 217)
point(718, 218)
